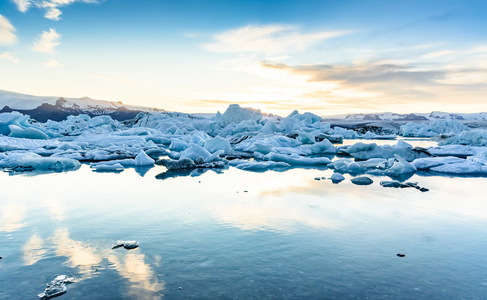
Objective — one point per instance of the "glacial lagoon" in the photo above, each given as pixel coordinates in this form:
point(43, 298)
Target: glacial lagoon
point(236, 234)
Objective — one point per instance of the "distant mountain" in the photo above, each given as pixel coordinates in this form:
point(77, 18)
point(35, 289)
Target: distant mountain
point(436, 115)
point(59, 108)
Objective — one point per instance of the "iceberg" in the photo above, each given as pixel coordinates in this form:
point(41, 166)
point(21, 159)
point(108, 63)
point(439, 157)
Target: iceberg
point(430, 129)
point(142, 159)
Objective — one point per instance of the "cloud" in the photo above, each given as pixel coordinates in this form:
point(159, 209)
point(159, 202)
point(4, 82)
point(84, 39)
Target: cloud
point(47, 42)
point(371, 85)
point(7, 35)
point(23, 5)
point(52, 63)
point(268, 40)
point(8, 56)
point(437, 54)
point(50, 6)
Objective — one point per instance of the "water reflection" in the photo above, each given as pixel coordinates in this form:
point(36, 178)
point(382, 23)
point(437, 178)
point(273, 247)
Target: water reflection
point(12, 217)
point(143, 282)
point(33, 250)
point(187, 172)
point(80, 255)
point(271, 214)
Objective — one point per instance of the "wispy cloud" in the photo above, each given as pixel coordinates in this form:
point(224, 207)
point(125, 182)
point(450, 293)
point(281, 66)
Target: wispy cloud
point(47, 42)
point(51, 7)
point(267, 40)
point(8, 56)
point(7, 32)
point(52, 63)
point(23, 5)
point(437, 54)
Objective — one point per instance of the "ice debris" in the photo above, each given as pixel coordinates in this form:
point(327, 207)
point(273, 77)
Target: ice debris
point(362, 180)
point(337, 177)
point(56, 287)
point(126, 244)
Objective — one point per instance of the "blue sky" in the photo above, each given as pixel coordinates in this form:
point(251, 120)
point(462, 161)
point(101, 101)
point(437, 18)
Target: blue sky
point(328, 57)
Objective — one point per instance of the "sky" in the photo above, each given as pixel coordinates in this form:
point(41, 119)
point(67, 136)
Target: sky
point(326, 57)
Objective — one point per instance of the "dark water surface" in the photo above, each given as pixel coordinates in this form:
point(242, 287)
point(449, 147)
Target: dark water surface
point(242, 235)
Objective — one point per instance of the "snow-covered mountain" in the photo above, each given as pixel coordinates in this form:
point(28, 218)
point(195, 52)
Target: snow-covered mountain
point(58, 108)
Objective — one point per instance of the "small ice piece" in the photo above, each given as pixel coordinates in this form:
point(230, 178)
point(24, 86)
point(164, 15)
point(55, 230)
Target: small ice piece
point(391, 183)
point(108, 167)
point(218, 143)
point(362, 180)
point(142, 159)
point(52, 291)
point(56, 287)
point(126, 244)
point(318, 178)
point(337, 177)
point(26, 133)
point(401, 166)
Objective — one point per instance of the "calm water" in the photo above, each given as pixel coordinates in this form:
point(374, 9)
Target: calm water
point(242, 235)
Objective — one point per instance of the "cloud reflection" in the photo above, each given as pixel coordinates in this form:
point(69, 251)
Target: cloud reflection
point(12, 217)
point(33, 250)
point(144, 283)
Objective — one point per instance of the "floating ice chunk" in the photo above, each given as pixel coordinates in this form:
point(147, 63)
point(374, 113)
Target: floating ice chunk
point(218, 143)
point(194, 151)
point(430, 162)
point(178, 145)
point(126, 244)
point(262, 166)
point(52, 291)
point(473, 138)
point(455, 150)
point(262, 148)
point(214, 156)
point(185, 163)
point(270, 127)
point(367, 151)
point(403, 144)
point(431, 129)
point(391, 183)
point(345, 133)
point(401, 166)
point(32, 161)
point(467, 167)
point(323, 147)
point(100, 120)
point(56, 287)
point(298, 160)
point(142, 159)
point(305, 137)
point(362, 180)
point(307, 117)
point(337, 177)
point(288, 125)
point(69, 146)
point(348, 166)
point(480, 158)
point(27, 133)
point(375, 163)
point(117, 167)
point(235, 114)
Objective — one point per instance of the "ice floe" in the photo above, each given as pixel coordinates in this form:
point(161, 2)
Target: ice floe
point(243, 138)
